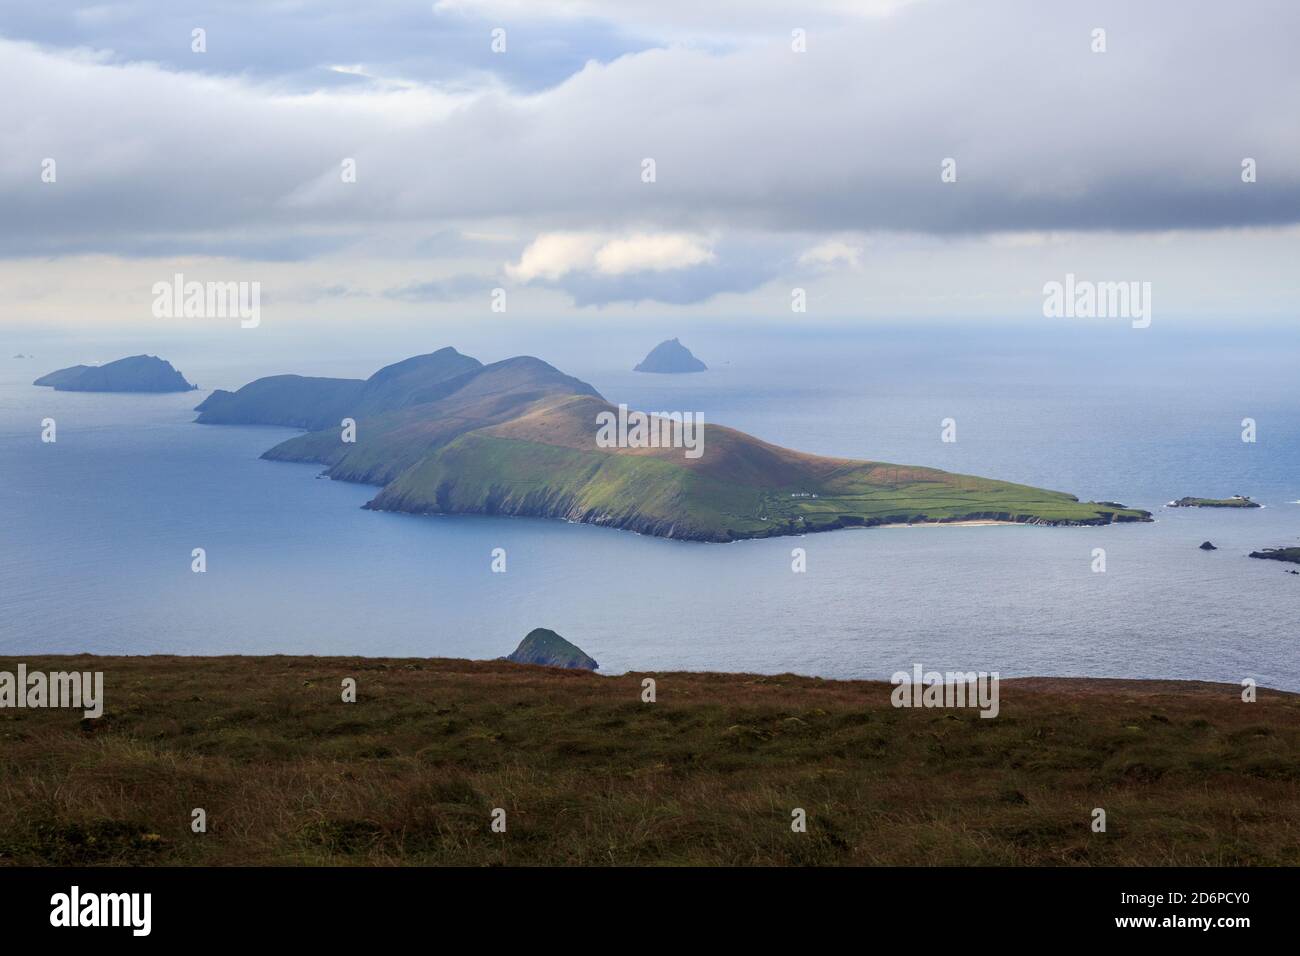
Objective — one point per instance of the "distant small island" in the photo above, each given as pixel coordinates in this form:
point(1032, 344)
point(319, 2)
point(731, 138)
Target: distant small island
point(1291, 555)
point(543, 646)
point(138, 373)
point(1236, 501)
point(671, 357)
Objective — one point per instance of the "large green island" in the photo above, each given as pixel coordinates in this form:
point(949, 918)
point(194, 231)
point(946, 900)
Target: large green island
point(445, 434)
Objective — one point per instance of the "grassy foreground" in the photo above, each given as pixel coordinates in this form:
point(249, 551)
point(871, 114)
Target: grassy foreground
point(588, 774)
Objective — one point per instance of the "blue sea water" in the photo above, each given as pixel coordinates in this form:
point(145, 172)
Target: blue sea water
point(97, 529)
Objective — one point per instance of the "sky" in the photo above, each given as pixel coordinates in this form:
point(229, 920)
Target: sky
point(396, 163)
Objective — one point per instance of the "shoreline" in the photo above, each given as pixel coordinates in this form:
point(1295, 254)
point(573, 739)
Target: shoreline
point(972, 523)
point(1035, 683)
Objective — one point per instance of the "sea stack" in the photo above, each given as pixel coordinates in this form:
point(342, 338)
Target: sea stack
point(545, 647)
point(671, 357)
point(1207, 546)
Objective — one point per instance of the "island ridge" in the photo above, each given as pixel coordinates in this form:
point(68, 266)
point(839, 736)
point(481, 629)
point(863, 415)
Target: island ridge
point(444, 434)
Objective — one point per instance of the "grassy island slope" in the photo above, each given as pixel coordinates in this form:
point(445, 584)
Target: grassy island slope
point(518, 437)
point(545, 463)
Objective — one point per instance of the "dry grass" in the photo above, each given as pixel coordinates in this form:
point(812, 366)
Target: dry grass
point(587, 774)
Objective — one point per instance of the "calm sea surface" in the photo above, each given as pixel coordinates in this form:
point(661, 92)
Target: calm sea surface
point(96, 530)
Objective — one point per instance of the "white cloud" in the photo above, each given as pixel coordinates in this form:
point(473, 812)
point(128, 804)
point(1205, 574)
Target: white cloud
point(832, 252)
point(555, 254)
point(654, 253)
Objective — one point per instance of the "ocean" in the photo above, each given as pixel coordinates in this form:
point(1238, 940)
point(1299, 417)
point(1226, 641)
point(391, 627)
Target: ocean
point(97, 529)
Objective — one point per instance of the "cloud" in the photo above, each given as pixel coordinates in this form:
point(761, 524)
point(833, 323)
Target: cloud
point(831, 252)
point(677, 18)
point(450, 289)
point(686, 286)
point(675, 268)
point(751, 140)
point(299, 52)
point(653, 253)
point(556, 254)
